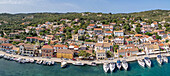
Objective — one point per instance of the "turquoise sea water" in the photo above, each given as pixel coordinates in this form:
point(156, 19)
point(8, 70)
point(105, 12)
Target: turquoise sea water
point(12, 68)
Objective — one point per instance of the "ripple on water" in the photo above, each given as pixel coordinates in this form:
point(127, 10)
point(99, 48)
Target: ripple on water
point(12, 68)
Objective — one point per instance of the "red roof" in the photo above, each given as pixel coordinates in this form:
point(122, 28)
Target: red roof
point(105, 25)
point(35, 38)
point(91, 24)
point(97, 28)
point(60, 45)
point(6, 44)
point(47, 47)
point(108, 31)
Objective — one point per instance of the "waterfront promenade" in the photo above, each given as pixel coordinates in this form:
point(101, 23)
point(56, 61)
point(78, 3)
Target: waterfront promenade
point(128, 59)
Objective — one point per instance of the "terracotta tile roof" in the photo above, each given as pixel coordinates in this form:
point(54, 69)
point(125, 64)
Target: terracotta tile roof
point(99, 44)
point(3, 39)
point(97, 28)
point(108, 32)
point(137, 35)
point(65, 51)
point(6, 44)
point(153, 46)
point(92, 43)
point(75, 46)
point(130, 45)
point(125, 50)
point(60, 45)
point(121, 37)
point(161, 44)
point(47, 47)
point(106, 25)
point(119, 31)
point(91, 24)
point(29, 46)
point(35, 38)
point(129, 39)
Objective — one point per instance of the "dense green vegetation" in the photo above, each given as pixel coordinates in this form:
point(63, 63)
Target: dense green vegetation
point(12, 22)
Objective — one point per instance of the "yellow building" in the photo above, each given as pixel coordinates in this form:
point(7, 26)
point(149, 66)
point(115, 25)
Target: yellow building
point(65, 53)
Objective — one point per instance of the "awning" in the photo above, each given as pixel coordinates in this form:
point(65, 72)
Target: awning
point(140, 53)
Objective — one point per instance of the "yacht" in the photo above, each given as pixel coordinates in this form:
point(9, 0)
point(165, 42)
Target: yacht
point(165, 59)
point(118, 64)
point(125, 64)
point(78, 63)
point(147, 61)
point(106, 67)
point(112, 66)
point(63, 64)
point(141, 62)
point(159, 59)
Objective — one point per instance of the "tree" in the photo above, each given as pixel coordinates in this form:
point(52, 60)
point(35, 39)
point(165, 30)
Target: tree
point(149, 34)
point(109, 54)
point(83, 53)
point(158, 37)
point(137, 29)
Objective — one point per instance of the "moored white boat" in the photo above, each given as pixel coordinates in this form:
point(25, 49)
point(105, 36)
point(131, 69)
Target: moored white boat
point(141, 62)
point(112, 66)
point(31, 60)
point(147, 61)
point(125, 64)
point(165, 59)
point(63, 64)
point(39, 61)
point(159, 59)
point(93, 64)
point(78, 63)
point(106, 67)
point(118, 64)
point(2, 55)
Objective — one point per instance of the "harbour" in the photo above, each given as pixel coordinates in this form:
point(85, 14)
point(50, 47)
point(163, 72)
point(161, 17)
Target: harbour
point(12, 68)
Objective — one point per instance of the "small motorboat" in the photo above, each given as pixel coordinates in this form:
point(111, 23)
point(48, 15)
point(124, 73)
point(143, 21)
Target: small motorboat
point(112, 66)
point(118, 64)
point(44, 62)
point(93, 64)
point(48, 63)
point(106, 67)
point(52, 62)
point(125, 64)
point(78, 64)
point(141, 62)
point(2, 55)
point(159, 59)
point(39, 61)
point(147, 61)
point(165, 59)
point(31, 60)
point(63, 64)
